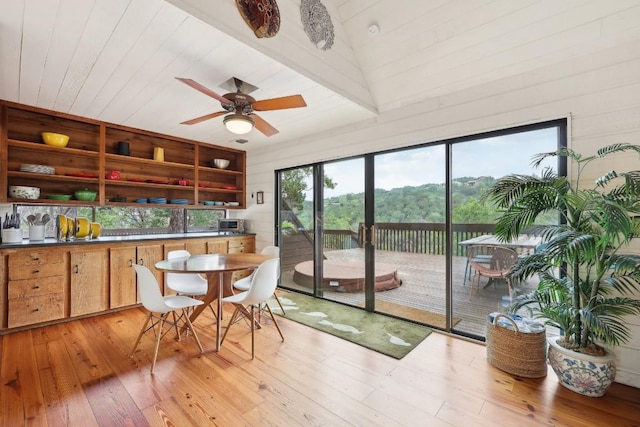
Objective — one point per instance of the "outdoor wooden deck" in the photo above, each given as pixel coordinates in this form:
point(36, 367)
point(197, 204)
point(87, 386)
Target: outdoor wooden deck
point(423, 287)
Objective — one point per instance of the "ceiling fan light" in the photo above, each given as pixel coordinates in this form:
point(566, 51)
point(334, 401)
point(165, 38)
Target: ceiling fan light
point(238, 123)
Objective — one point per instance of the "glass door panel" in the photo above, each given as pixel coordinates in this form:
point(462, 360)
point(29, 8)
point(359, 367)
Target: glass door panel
point(476, 164)
point(343, 217)
point(410, 234)
point(296, 227)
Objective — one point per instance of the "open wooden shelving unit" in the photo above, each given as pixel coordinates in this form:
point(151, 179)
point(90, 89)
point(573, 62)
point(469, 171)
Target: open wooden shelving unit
point(92, 154)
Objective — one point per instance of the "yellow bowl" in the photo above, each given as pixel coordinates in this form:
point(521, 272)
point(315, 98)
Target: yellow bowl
point(83, 227)
point(55, 139)
point(62, 227)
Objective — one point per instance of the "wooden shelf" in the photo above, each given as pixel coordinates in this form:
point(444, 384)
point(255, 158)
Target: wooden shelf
point(92, 150)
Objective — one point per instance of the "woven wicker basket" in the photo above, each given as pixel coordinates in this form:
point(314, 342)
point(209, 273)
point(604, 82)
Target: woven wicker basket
point(518, 353)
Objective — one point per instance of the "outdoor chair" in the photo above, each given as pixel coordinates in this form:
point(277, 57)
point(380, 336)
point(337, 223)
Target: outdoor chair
point(502, 259)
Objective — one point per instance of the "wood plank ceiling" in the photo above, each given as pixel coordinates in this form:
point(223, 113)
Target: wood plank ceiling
point(115, 60)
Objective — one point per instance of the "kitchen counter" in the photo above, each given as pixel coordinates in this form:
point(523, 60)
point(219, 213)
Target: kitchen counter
point(129, 238)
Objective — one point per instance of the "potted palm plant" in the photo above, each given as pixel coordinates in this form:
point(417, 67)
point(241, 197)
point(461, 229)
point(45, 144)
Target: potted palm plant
point(589, 276)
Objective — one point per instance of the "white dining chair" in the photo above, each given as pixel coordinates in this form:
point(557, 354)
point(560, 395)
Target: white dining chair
point(245, 283)
point(189, 284)
point(159, 308)
point(263, 284)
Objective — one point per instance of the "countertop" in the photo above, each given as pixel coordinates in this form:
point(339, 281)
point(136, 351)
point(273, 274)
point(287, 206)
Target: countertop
point(131, 238)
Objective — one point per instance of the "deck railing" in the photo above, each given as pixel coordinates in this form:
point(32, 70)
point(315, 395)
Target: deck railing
point(425, 238)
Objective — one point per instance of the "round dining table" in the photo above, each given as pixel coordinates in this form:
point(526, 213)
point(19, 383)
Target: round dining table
point(219, 270)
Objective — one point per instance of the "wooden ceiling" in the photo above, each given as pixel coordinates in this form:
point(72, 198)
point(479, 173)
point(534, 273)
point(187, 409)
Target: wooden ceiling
point(116, 60)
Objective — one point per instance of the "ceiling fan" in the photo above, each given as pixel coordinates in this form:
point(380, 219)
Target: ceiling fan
point(239, 107)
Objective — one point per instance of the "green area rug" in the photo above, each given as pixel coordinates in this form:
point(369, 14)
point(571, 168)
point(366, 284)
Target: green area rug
point(387, 335)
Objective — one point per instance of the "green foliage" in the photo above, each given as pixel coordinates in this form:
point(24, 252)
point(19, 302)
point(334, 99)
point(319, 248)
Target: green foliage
point(585, 275)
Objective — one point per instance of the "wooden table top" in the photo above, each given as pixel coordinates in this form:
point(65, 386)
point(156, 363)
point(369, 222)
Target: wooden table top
point(212, 263)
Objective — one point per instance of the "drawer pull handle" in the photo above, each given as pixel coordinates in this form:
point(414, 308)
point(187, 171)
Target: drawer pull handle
point(36, 287)
point(130, 263)
point(36, 309)
point(36, 271)
point(75, 269)
point(141, 261)
point(36, 258)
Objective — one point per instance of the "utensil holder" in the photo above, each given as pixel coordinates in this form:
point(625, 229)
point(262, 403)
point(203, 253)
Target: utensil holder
point(12, 235)
point(36, 233)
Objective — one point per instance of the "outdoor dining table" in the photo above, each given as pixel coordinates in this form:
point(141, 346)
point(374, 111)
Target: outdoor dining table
point(522, 242)
point(219, 270)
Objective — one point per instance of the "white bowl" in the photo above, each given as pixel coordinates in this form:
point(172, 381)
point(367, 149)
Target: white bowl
point(23, 192)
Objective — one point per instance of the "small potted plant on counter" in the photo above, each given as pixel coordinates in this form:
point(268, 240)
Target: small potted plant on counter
point(588, 273)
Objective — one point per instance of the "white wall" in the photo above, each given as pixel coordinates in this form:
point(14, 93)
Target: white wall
point(600, 93)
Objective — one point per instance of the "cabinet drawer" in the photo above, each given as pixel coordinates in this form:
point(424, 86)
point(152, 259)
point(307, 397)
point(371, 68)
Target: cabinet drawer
point(27, 311)
point(33, 271)
point(238, 250)
point(35, 257)
point(27, 288)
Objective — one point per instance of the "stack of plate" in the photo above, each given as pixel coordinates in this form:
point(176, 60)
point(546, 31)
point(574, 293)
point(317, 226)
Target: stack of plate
point(160, 200)
point(37, 169)
point(141, 200)
point(179, 201)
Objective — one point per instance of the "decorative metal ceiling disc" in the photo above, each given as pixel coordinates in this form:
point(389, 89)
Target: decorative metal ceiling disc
point(316, 22)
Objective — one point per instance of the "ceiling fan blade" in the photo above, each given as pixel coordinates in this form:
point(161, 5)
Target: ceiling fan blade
point(203, 118)
point(293, 101)
point(197, 86)
point(263, 126)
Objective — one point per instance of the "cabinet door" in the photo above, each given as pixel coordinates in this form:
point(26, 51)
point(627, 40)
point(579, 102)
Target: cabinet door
point(122, 278)
point(218, 246)
point(196, 246)
point(89, 290)
point(149, 255)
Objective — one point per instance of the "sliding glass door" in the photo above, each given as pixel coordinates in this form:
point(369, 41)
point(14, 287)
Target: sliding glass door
point(390, 232)
point(410, 235)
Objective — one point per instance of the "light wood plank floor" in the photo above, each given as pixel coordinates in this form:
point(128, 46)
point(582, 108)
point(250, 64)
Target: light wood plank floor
point(79, 374)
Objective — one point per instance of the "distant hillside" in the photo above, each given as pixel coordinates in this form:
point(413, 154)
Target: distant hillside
point(425, 203)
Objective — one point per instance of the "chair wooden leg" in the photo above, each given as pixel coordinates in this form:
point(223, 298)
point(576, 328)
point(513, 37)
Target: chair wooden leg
point(253, 328)
point(190, 326)
point(279, 303)
point(233, 318)
point(142, 331)
point(175, 325)
point(155, 353)
point(275, 322)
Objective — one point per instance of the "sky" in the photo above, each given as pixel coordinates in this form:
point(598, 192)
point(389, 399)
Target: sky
point(495, 157)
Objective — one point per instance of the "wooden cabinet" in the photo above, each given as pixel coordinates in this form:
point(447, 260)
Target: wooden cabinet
point(52, 283)
point(241, 244)
point(122, 277)
point(88, 281)
point(149, 255)
point(91, 154)
point(218, 246)
point(36, 287)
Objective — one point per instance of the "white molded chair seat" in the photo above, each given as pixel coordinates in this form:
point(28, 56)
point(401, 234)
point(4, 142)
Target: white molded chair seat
point(190, 284)
point(159, 308)
point(185, 283)
point(264, 281)
point(245, 283)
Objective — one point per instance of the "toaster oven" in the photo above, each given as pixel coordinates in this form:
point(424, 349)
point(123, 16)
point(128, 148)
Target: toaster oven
point(231, 225)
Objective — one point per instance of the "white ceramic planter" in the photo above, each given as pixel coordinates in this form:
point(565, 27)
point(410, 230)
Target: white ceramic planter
point(582, 373)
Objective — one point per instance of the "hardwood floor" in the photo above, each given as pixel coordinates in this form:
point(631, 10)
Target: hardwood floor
point(79, 373)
